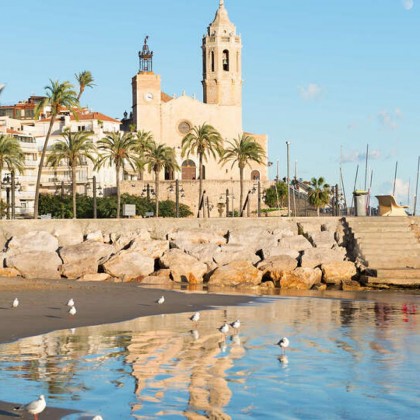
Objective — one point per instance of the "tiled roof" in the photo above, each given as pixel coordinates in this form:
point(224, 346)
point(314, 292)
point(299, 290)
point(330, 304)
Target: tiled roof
point(84, 116)
point(165, 97)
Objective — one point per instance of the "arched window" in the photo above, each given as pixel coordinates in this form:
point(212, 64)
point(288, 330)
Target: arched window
point(169, 174)
point(225, 60)
point(212, 60)
point(255, 175)
point(188, 170)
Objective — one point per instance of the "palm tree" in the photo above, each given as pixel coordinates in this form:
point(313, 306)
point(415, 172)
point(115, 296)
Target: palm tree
point(158, 157)
point(11, 156)
point(59, 96)
point(242, 151)
point(73, 148)
point(318, 193)
point(118, 149)
point(144, 140)
point(85, 79)
point(203, 141)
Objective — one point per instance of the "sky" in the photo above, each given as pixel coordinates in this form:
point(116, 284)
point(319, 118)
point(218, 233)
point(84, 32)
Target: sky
point(334, 78)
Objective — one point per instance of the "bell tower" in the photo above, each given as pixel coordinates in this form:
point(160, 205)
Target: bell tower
point(222, 61)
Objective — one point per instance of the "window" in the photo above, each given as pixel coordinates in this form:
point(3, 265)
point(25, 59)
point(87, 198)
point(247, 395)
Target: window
point(212, 60)
point(184, 127)
point(225, 60)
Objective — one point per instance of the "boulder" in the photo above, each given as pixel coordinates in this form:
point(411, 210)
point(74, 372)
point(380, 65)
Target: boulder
point(336, 272)
point(324, 239)
point(129, 265)
point(236, 273)
point(181, 238)
point(314, 257)
point(84, 258)
point(36, 241)
point(309, 227)
point(298, 243)
point(94, 277)
point(8, 272)
point(231, 252)
point(254, 239)
point(29, 264)
point(95, 236)
point(279, 251)
point(285, 232)
point(273, 268)
point(160, 277)
point(68, 234)
point(184, 267)
point(121, 240)
point(301, 278)
point(351, 285)
point(152, 248)
point(204, 253)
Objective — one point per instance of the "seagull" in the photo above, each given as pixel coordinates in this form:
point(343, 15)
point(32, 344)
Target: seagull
point(224, 329)
point(35, 407)
point(161, 300)
point(15, 303)
point(70, 302)
point(72, 311)
point(236, 324)
point(195, 317)
point(283, 343)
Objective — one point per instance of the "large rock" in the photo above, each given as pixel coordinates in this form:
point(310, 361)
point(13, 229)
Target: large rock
point(94, 277)
point(160, 277)
point(37, 241)
point(182, 238)
point(314, 257)
point(68, 234)
point(301, 278)
point(97, 236)
point(152, 248)
point(129, 265)
point(236, 273)
point(336, 272)
point(235, 252)
point(36, 264)
point(273, 268)
point(205, 253)
point(84, 258)
point(297, 243)
point(324, 239)
point(184, 267)
point(122, 240)
point(277, 251)
point(254, 239)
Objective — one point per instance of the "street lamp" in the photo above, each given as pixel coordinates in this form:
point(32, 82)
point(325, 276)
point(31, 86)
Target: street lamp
point(147, 190)
point(225, 204)
point(288, 178)
point(178, 191)
point(95, 193)
point(9, 182)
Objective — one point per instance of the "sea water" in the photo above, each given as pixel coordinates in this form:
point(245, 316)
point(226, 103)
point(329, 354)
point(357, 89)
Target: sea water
point(347, 359)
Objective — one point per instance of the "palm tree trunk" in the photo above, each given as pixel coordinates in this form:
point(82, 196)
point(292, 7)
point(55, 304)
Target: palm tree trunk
point(41, 165)
point(157, 192)
point(200, 182)
point(241, 186)
point(117, 173)
point(73, 188)
point(1, 200)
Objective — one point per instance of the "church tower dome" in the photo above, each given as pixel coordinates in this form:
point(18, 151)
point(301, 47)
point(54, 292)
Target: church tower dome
point(222, 57)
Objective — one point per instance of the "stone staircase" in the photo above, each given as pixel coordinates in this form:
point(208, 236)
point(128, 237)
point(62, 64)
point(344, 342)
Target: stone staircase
point(388, 247)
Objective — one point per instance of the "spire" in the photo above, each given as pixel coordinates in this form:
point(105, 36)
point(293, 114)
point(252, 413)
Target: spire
point(221, 3)
point(222, 18)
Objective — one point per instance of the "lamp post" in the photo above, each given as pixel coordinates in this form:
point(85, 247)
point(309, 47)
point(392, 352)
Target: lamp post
point(148, 190)
point(9, 182)
point(288, 178)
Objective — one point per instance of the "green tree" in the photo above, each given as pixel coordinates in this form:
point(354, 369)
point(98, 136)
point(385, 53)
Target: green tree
point(202, 141)
point(319, 193)
point(11, 156)
point(59, 96)
point(275, 195)
point(144, 140)
point(85, 79)
point(241, 152)
point(117, 149)
point(74, 148)
point(158, 157)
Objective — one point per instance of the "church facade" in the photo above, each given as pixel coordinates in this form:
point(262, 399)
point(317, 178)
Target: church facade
point(170, 118)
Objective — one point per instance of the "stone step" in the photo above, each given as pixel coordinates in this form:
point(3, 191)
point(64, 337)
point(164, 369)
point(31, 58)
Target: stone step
point(378, 263)
point(397, 252)
point(413, 273)
point(385, 235)
point(388, 248)
point(383, 229)
point(395, 281)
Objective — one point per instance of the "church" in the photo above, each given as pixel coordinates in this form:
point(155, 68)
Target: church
point(170, 118)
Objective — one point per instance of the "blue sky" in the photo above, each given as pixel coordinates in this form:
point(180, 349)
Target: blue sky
point(330, 76)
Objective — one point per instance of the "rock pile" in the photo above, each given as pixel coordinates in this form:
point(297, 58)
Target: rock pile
point(294, 256)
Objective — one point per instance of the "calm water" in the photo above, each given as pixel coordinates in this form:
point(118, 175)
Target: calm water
point(347, 360)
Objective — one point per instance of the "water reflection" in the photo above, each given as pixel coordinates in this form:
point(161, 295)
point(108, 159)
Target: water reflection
point(343, 350)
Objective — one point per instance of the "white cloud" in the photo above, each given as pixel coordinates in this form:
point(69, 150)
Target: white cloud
point(390, 119)
point(407, 4)
point(310, 92)
point(356, 156)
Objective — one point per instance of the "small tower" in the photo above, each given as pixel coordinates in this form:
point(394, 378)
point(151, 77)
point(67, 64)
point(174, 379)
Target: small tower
point(222, 68)
point(145, 58)
point(146, 90)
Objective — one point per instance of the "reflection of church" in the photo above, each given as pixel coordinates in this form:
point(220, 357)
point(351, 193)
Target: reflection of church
point(170, 118)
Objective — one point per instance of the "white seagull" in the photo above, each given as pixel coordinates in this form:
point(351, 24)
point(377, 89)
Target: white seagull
point(236, 324)
point(72, 311)
point(15, 303)
point(224, 329)
point(283, 343)
point(161, 300)
point(35, 407)
point(70, 302)
point(195, 317)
